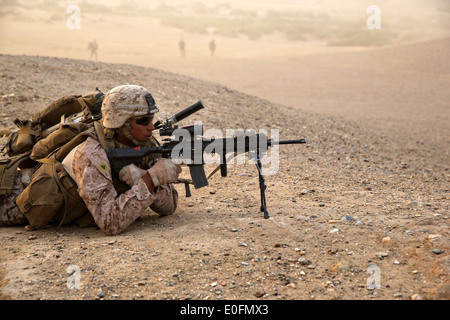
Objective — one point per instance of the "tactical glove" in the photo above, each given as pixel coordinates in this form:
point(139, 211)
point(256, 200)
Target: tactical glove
point(131, 174)
point(164, 172)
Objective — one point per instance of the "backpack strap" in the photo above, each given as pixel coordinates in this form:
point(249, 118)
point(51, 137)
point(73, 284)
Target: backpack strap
point(105, 141)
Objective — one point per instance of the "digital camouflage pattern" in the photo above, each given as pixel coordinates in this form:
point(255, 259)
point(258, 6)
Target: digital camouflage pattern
point(113, 212)
point(10, 215)
point(124, 102)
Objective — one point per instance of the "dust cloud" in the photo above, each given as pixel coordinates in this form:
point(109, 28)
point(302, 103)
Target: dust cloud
point(362, 60)
point(148, 32)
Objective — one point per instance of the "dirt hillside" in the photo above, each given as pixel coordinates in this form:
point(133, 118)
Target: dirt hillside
point(349, 209)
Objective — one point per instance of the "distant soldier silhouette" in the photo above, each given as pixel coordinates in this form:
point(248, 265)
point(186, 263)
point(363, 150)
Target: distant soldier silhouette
point(93, 46)
point(182, 46)
point(212, 47)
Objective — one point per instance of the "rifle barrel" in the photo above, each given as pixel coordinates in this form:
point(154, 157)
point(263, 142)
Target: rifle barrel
point(299, 141)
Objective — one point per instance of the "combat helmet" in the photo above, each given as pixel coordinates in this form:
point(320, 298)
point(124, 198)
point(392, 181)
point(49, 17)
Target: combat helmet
point(124, 102)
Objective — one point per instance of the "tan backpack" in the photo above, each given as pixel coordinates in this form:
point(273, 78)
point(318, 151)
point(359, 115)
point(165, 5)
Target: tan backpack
point(42, 143)
point(68, 109)
point(52, 196)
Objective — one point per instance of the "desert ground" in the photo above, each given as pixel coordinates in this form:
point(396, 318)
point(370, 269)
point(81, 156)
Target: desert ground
point(360, 212)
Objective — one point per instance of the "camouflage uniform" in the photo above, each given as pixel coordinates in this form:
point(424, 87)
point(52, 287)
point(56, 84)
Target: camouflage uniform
point(113, 207)
point(113, 204)
point(10, 214)
point(111, 211)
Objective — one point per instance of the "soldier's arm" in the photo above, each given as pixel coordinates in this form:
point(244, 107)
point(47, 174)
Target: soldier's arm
point(112, 212)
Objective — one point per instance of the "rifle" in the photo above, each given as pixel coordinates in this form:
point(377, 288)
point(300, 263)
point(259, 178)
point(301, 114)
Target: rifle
point(186, 144)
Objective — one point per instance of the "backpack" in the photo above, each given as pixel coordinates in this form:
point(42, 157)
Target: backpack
point(68, 109)
point(42, 143)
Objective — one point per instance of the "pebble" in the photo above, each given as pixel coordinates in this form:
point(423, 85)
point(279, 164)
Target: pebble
point(437, 251)
point(382, 254)
point(334, 221)
point(101, 294)
point(432, 237)
point(386, 240)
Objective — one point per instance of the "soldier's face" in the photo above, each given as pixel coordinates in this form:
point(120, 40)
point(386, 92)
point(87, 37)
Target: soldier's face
point(141, 130)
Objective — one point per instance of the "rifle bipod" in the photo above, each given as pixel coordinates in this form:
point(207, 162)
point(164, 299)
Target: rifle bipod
point(262, 188)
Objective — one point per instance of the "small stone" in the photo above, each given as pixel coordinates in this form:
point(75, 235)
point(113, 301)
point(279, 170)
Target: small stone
point(382, 254)
point(212, 192)
point(341, 267)
point(334, 221)
point(347, 219)
point(432, 237)
point(416, 297)
point(101, 294)
point(109, 243)
point(234, 230)
point(213, 284)
point(386, 240)
point(359, 223)
point(322, 204)
point(437, 251)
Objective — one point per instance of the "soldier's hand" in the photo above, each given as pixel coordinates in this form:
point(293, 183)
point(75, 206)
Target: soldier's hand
point(164, 172)
point(131, 174)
